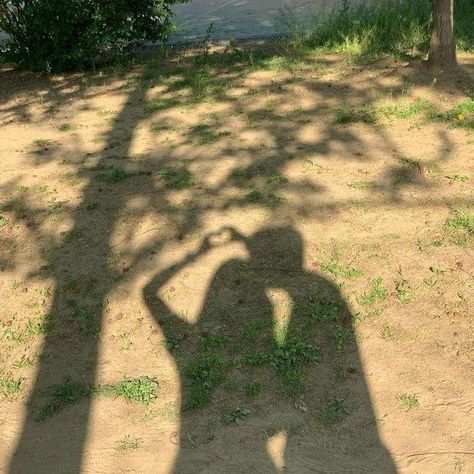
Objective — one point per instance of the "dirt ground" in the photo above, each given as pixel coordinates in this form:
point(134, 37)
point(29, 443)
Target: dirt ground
point(240, 261)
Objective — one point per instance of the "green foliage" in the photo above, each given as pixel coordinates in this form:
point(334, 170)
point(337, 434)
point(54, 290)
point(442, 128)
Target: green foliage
point(334, 411)
point(53, 35)
point(60, 396)
point(205, 373)
point(141, 390)
point(288, 360)
point(402, 27)
point(377, 292)
point(10, 388)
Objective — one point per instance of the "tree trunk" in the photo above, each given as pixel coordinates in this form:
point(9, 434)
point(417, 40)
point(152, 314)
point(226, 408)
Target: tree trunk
point(443, 48)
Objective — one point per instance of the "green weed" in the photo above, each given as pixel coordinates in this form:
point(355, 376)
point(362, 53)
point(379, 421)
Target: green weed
point(236, 415)
point(377, 292)
point(408, 401)
point(340, 271)
point(288, 360)
point(334, 411)
point(176, 178)
point(403, 291)
point(140, 390)
point(253, 389)
point(60, 396)
point(205, 373)
point(10, 388)
point(128, 443)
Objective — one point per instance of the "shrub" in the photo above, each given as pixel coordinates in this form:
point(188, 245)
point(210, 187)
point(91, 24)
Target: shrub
point(54, 35)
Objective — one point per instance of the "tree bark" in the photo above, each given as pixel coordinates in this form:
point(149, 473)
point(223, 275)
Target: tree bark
point(442, 53)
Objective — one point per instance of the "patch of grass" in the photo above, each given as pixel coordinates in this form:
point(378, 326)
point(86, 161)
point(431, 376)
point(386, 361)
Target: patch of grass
point(128, 443)
point(10, 388)
point(116, 176)
point(205, 373)
point(344, 371)
point(39, 325)
point(408, 401)
point(176, 178)
point(372, 27)
point(403, 110)
point(86, 321)
point(341, 335)
point(378, 292)
point(461, 225)
point(236, 415)
point(288, 360)
point(161, 103)
point(253, 329)
point(340, 271)
point(361, 185)
point(60, 396)
point(253, 389)
point(3, 221)
point(334, 411)
point(403, 291)
point(277, 180)
point(23, 361)
point(459, 177)
point(214, 341)
point(66, 127)
point(365, 114)
point(139, 390)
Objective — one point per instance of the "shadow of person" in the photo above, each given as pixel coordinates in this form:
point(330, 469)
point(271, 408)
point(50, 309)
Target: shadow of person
point(270, 374)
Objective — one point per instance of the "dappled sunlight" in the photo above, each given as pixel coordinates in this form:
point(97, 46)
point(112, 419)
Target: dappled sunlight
point(259, 237)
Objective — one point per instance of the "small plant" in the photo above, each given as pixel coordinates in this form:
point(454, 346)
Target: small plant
point(60, 396)
point(10, 388)
point(24, 361)
point(341, 335)
point(334, 411)
point(236, 415)
point(40, 325)
point(128, 443)
point(408, 401)
point(140, 390)
point(377, 292)
point(66, 127)
point(253, 389)
point(340, 271)
point(214, 341)
point(403, 291)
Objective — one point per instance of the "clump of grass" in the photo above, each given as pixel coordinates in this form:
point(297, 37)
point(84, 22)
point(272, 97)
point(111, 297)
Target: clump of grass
point(289, 360)
point(376, 293)
point(360, 185)
point(340, 271)
point(139, 390)
point(60, 396)
point(205, 373)
point(408, 401)
point(403, 291)
point(116, 176)
point(236, 415)
point(66, 127)
point(176, 178)
point(128, 443)
point(253, 389)
point(334, 411)
point(403, 110)
point(458, 177)
point(365, 114)
point(461, 224)
point(10, 388)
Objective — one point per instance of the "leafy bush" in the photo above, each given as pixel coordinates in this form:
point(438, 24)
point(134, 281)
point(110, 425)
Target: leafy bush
point(53, 35)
